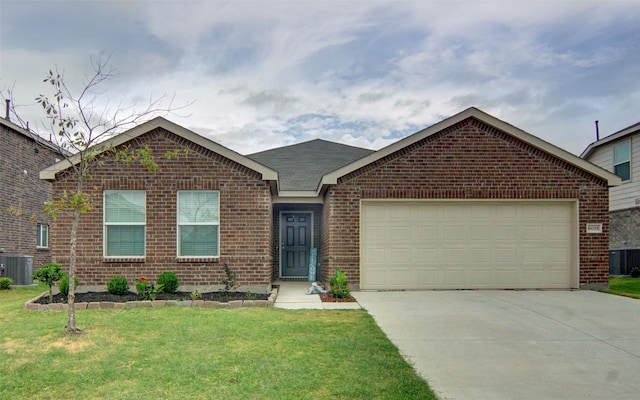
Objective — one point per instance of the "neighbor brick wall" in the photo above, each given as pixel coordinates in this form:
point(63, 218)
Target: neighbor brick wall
point(469, 160)
point(23, 192)
point(245, 217)
point(625, 229)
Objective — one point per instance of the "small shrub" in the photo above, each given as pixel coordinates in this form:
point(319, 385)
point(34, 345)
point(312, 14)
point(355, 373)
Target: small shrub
point(118, 285)
point(229, 281)
point(169, 281)
point(48, 274)
point(63, 286)
point(635, 273)
point(339, 285)
point(5, 283)
point(195, 295)
point(146, 289)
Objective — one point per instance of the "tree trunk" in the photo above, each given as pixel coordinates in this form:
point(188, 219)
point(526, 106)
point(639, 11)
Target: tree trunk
point(71, 312)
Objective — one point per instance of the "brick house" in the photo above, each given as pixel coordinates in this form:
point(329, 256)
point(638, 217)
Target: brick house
point(24, 229)
point(620, 153)
point(470, 202)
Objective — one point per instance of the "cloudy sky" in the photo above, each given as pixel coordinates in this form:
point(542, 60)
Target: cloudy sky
point(262, 74)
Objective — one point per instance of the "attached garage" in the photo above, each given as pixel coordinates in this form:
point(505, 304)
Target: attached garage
point(468, 244)
point(468, 203)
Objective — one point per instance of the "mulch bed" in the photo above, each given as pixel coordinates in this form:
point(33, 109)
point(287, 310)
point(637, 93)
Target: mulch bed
point(328, 298)
point(89, 297)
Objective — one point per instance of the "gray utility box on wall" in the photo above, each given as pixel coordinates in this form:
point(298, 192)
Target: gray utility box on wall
point(18, 268)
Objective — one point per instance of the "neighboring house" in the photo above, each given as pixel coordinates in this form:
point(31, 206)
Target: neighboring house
point(620, 153)
point(470, 202)
point(24, 229)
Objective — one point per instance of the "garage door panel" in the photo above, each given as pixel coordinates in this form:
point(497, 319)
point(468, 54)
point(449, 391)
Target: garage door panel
point(399, 256)
point(427, 232)
point(453, 233)
point(400, 234)
point(454, 278)
point(428, 278)
point(375, 278)
point(468, 245)
point(481, 233)
point(402, 276)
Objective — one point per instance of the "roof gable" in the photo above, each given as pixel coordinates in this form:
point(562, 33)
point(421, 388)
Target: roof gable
point(301, 166)
point(159, 122)
point(630, 130)
point(613, 180)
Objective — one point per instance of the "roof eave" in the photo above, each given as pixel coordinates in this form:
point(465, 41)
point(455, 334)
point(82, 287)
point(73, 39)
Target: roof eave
point(472, 112)
point(611, 138)
point(266, 173)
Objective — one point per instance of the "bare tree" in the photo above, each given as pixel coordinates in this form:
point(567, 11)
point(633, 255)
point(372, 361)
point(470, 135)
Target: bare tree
point(80, 124)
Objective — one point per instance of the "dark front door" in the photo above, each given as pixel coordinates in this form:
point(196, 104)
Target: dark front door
point(295, 242)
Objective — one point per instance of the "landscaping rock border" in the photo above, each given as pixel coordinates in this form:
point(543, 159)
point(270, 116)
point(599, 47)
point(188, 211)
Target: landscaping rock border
point(105, 305)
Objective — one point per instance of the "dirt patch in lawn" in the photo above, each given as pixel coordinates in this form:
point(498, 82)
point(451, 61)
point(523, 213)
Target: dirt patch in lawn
point(90, 297)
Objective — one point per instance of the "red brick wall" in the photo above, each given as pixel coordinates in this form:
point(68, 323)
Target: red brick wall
point(23, 192)
point(467, 161)
point(245, 217)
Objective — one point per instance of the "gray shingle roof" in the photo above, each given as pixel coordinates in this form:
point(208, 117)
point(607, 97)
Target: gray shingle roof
point(301, 166)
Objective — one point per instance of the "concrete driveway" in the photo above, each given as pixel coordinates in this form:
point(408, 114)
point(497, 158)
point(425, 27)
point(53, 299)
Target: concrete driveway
point(515, 344)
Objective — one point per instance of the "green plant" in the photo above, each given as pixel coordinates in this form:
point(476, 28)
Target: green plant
point(5, 283)
point(249, 295)
point(635, 272)
point(339, 285)
point(63, 286)
point(169, 281)
point(48, 274)
point(195, 295)
point(229, 280)
point(146, 289)
point(118, 285)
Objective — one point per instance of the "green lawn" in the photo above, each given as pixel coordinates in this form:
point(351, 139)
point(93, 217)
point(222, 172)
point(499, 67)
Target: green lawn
point(624, 286)
point(198, 353)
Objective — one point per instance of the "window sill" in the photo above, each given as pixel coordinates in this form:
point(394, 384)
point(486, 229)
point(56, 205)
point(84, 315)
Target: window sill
point(123, 260)
point(197, 259)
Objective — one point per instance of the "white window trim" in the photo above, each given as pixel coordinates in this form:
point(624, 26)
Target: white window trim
point(613, 150)
point(39, 236)
point(105, 224)
point(217, 256)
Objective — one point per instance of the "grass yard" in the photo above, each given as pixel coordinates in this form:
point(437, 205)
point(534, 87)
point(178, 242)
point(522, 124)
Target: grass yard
point(198, 353)
point(624, 286)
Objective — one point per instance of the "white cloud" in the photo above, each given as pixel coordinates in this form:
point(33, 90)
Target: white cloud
point(265, 74)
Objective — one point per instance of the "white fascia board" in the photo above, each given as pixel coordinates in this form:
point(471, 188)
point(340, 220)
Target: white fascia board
point(297, 193)
point(613, 180)
point(297, 199)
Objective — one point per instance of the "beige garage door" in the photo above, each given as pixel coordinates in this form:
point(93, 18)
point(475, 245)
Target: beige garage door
point(468, 245)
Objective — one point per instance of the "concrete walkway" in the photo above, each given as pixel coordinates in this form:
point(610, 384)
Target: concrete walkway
point(515, 344)
point(292, 296)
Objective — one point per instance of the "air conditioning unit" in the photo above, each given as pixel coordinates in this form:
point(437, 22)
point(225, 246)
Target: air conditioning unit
point(621, 262)
point(18, 268)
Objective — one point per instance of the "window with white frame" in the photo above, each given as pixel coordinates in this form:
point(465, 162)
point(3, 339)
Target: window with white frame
point(621, 160)
point(125, 220)
point(43, 235)
point(198, 223)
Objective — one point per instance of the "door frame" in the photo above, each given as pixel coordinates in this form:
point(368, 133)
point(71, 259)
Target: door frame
point(280, 236)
